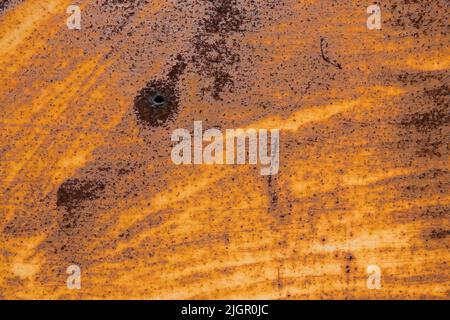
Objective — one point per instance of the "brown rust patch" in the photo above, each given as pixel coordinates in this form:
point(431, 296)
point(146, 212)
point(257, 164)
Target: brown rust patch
point(215, 52)
point(158, 102)
point(72, 196)
point(436, 234)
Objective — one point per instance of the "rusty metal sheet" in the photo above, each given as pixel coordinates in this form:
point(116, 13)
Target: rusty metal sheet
point(92, 92)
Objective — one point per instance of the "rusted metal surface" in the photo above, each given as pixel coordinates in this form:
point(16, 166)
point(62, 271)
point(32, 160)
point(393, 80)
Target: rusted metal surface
point(87, 179)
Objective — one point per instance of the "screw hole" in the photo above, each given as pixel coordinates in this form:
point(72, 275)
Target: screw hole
point(158, 100)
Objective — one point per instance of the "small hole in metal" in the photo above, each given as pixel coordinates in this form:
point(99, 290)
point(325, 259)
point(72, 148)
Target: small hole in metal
point(158, 100)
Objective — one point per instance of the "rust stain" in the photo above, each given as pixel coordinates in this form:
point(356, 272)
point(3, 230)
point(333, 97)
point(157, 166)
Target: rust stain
point(86, 176)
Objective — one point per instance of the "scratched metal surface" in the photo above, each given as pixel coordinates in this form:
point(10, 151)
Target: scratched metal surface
point(86, 176)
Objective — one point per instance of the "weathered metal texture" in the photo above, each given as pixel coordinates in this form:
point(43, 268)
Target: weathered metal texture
point(87, 179)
